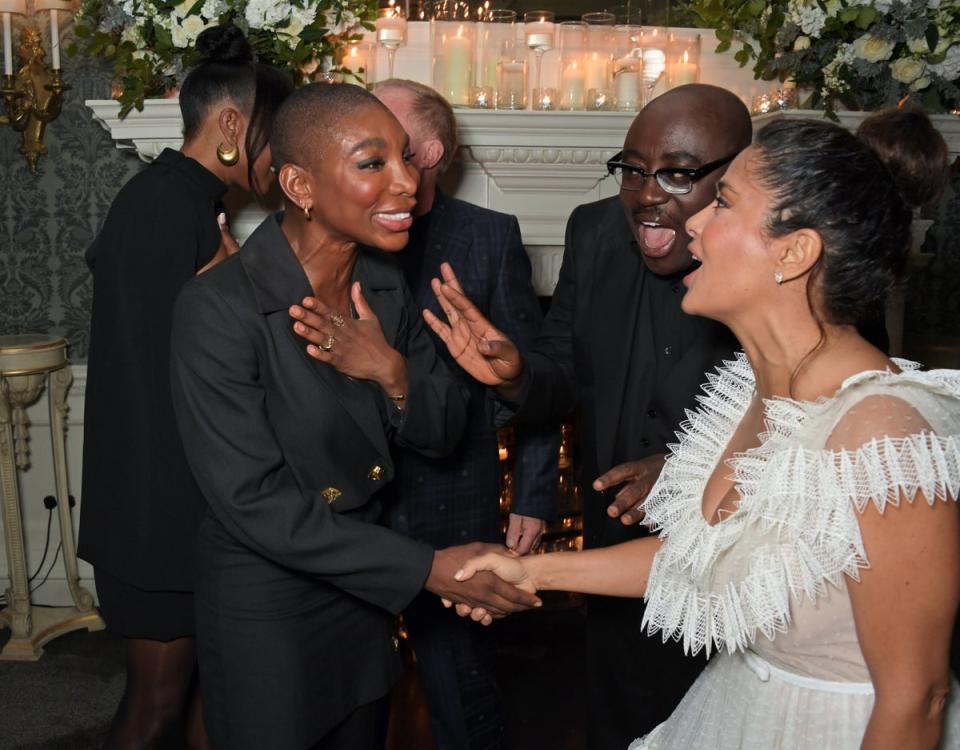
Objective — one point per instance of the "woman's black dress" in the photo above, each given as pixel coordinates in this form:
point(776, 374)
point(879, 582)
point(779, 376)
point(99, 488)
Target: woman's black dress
point(140, 506)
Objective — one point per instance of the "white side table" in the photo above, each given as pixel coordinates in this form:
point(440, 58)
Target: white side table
point(27, 364)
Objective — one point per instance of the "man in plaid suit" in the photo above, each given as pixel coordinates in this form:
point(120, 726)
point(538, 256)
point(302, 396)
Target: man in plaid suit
point(456, 499)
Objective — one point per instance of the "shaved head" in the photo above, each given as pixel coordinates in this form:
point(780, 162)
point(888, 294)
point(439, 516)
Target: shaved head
point(313, 117)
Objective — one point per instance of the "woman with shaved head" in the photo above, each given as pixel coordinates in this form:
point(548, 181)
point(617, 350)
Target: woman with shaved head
point(297, 584)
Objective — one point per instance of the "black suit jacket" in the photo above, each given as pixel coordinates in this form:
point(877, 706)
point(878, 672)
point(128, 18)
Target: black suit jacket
point(454, 500)
point(597, 326)
point(288, 454)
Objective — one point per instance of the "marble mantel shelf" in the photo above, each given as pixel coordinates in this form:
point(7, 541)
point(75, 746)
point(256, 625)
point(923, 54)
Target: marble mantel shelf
point(536, 165)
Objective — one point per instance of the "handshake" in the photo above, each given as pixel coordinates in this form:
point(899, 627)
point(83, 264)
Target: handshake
point(484, 581)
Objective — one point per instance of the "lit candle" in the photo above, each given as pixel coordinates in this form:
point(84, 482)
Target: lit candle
point(7, 46)
point(596, 71)
point(683, 71)
point(627, 77)
point(54, 6)
point(357, 61)
point(540, 35)
point(391, 30)
point(513, 84)
point(456, 67)
point(572, 86)
point(6, 8)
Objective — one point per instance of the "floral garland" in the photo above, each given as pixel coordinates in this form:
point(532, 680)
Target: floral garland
point(151, 42)
point(866, 54)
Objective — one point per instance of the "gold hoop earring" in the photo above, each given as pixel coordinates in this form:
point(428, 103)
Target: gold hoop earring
point(306, 212)
point(228, 155)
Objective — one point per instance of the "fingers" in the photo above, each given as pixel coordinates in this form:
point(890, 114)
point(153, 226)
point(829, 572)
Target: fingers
point(524, 533)
point(438, 326)
point(449, 277)
point(617, 475)
point(364, 311)
point(476, 564)
point(227, 240)
point(514, 531)
point(627, 504)
point(448, 307)
point(509, 598)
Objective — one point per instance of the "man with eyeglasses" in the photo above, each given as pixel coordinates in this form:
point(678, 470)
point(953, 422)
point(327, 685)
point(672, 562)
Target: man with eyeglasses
point(617, 345)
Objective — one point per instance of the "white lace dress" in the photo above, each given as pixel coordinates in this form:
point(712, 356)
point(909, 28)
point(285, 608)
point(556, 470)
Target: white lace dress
point(767, 586)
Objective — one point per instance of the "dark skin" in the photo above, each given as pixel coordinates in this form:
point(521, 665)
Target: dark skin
point(687, 127)
point(359, 189)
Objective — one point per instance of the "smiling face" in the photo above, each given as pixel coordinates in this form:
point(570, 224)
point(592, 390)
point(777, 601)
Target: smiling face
point(677, 130)
point(738, 260)
point(363, 182)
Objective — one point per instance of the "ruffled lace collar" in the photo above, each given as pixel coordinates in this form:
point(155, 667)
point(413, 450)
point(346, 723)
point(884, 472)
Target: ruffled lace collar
point(805, 497)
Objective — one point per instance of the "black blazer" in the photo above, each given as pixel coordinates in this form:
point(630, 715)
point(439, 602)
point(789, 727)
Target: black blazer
point(591, 334)
point(288, 453)
point(456, 499)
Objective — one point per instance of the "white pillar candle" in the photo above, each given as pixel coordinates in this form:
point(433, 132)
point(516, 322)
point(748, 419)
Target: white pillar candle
point(683, 71)
point(456, 66)
point(391, 30)
point(572, 86)
point(55, 39)
point(7, 46)
point(596, 71)
point(627, 81)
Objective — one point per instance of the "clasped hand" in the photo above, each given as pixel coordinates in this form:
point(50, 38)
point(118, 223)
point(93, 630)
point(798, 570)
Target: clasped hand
point(501, 565)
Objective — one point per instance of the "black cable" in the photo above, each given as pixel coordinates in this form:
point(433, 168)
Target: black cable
point(50, 569)
point(43, 558)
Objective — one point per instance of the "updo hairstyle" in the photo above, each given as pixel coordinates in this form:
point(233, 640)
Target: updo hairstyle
point(227, 73)
point(858, 194)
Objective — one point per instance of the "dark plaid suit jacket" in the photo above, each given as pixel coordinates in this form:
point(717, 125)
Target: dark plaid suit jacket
point(455, 499)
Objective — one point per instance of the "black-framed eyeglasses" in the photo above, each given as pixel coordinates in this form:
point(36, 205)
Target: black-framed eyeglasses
point(673, 180)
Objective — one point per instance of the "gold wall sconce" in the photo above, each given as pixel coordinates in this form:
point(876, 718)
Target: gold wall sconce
point(33, 93)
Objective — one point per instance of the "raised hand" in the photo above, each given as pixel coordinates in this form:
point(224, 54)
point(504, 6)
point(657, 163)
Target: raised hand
point(637, 478)
point(356, 348)
point(473, 341)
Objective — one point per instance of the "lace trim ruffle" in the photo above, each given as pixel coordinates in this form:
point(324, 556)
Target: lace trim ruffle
point(805, 500)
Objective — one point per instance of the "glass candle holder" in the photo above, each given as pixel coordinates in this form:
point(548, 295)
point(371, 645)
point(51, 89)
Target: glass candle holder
point(359, 62)
point(512, 75)
point(600, 42)
point(573, 64)
point(683, 61)
point(453, 54)
point(493, 29)
point(538, 31)
point(391, 32)
point(627, 68)
point(653, 41)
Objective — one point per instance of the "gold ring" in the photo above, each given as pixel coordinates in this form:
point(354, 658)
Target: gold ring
point(337, 320)
point(328, 344)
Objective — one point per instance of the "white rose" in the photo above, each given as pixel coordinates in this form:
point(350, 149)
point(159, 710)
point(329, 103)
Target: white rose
point(192, 27)
point(213, 9)
point(872, 49)
point(265, 14)
point(906, 69)
point(950, 67)
point(801, 43)
point(132, 34)
point(918, 45)
point(183, 8)
point(920, 83)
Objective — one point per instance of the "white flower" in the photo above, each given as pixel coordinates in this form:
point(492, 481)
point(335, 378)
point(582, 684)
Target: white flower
point(801, 43)
point(918, 45)
point(883, 6)
point(906, 69)
point(834, 7)
point(266, 14)
point(920, 83)
point(132, 34)
point(950, 67)
point(348, 20)
point(807, 15)
point(183, 8)
point(872, 49)
point(213, 9)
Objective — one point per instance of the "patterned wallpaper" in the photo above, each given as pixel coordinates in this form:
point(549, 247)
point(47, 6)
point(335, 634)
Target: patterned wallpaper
point(47, 220)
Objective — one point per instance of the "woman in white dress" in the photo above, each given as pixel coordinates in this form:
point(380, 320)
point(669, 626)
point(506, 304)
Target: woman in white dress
point(807, 526)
